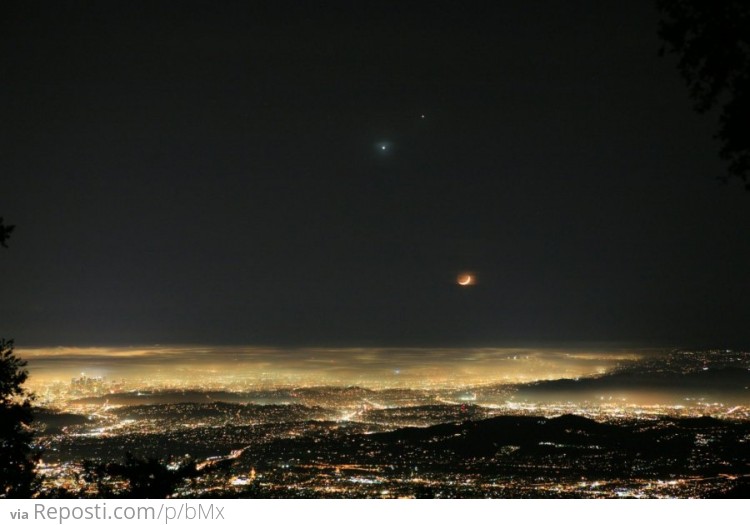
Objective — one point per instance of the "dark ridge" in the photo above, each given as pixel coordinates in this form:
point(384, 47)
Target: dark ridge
point(52, 421)
point(730, 379)
point(164, 397)
point(573, 421)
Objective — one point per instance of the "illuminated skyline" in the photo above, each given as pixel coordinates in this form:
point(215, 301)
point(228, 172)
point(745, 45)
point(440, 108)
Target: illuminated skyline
point(667, 424)
point(371, 367)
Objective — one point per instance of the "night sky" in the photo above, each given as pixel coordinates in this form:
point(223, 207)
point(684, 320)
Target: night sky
point(214, 172)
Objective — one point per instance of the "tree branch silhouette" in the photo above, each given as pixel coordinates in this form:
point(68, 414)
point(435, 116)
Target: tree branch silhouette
point(5, 232)
point(712, 41)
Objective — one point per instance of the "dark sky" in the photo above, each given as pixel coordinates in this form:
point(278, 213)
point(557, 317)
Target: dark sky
point(210, 172)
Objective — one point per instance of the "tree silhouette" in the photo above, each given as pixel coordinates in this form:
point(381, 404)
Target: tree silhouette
point(712, 41)
point(17, 475)
point(5, 232)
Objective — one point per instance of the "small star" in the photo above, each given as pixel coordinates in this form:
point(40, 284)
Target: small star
point(422, 116)
point(383, 147)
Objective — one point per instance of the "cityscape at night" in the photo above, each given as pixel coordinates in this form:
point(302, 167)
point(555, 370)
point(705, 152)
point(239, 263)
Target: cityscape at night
point(586, 424)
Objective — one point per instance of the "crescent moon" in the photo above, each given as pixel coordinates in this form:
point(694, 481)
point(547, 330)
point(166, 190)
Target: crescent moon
point(464, 280)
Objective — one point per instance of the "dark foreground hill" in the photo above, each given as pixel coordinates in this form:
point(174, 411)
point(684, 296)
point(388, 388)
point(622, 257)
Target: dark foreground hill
point(534, 455)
